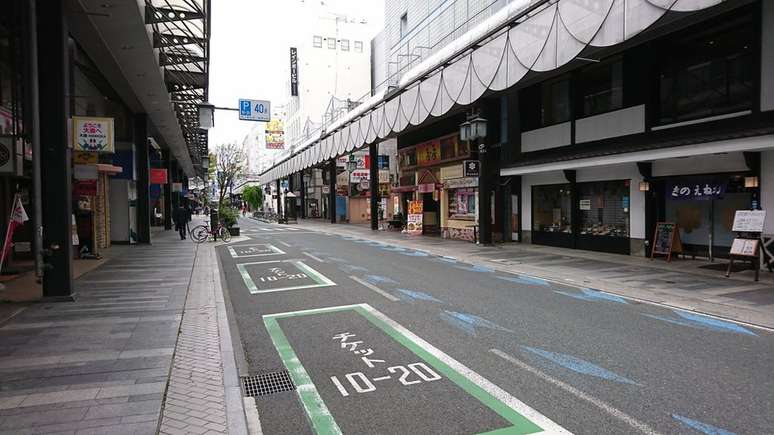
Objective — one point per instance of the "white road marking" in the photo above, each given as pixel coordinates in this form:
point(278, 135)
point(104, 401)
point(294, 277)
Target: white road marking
point(312, 257)
point(626, 418)
point(375, 288)
point(285, 244)
point(381, 378)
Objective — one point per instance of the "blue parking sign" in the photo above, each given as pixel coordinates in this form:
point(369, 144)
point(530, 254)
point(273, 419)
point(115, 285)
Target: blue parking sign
point(254, 110)
point(244, 108)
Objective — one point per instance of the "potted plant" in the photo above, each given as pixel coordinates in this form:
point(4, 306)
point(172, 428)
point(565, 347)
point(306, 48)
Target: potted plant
point(229, 216)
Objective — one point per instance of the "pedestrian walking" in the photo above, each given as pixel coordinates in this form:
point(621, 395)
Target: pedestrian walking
point(181, 217)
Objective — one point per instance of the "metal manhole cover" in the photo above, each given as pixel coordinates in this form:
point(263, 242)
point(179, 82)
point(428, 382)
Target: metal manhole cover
point(267, 383)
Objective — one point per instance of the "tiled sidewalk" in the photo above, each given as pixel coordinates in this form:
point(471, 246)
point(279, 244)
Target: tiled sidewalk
point(101, 364)
point(686, 284)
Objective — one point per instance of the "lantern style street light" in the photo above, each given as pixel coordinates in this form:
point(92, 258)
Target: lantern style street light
point(474, 129)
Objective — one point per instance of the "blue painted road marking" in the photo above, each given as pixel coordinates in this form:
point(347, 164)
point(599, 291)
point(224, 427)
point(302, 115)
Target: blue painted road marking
point(376, 279)
point(701, 427)
point(523, 279)
point(415, 254)
point(469, 322)
point(594, 296)
point(412, 295)
point(702, 322)
point(579, 366)
point(476, 268)
point(446, 259)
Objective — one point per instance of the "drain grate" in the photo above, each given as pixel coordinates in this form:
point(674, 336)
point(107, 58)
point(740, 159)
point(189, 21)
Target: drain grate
point(267, 383)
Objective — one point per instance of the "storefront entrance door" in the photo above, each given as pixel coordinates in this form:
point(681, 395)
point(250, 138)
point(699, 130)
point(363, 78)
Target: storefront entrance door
point(430, 218)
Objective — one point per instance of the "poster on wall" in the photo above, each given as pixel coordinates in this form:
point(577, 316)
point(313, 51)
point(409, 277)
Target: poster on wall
point(415, 214)
point(94, 135)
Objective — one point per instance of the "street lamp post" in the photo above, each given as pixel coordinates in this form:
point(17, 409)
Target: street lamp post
point(475, 130)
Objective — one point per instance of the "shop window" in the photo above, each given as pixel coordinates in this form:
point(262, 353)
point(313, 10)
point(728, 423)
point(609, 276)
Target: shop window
point(408, 158)
point(601, 88)
point(462, 203)
point(551, 208)
point(708, 73)
point(317, 41)
point(604, 208)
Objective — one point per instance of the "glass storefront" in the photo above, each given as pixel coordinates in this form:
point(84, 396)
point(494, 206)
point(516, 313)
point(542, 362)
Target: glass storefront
point(551, 208)
point(604, 208)
point(592, 216)
point(705, 222)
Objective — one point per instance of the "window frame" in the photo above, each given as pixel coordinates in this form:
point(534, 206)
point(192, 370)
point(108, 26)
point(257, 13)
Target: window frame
point(358, 46)
point(331, 46)
point(403, 25)
point(317, 41)
point(344, 44)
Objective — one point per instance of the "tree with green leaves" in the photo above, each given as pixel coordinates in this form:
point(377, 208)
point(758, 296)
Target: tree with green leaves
point(253, 196)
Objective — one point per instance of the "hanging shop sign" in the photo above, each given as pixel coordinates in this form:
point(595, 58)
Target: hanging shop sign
point(177, 187)
point(585, 204)
point(414, 218)
point(293, 72)
point(471, 168)
point(459, 183)
point(85, 172)
point(707, 190)
point(749, 221)
point(384, 176)
point(426, 188)
point(94, 135)
point(158, 176)
point(11, 156)
point(275, 135)
point(359, 175)
point(85, 188)
point(84, 158)
point(383, 162)
point(429, 153)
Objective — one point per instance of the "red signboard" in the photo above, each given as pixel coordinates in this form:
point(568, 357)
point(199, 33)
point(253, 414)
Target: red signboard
point(85, 187)
point(158, 176)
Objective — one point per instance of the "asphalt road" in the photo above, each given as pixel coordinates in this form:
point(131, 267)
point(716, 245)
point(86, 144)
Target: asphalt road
point(380, 339)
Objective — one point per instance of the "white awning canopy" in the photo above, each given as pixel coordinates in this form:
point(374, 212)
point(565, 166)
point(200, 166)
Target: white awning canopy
point(515, 43)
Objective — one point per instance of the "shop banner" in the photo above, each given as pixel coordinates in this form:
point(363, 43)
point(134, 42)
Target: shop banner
point(472, 168)
point(158, 176)
point(384, 176)
point(415, 214)
point(687, 191)
point(429, 153)
point(85, 188)
point(93, 135)
point(383, 162)
point(359, 175)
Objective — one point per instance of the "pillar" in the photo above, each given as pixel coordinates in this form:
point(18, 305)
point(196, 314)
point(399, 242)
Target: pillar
point(279, 199)
point(484, 197)
point(332, 193)
point(168, 191)
point(142, 162)
point(373, 172)
point(173, 177)
point(55, 154)
point(302, 196)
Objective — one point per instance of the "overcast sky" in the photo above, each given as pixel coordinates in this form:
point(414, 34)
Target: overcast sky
point(249, 55)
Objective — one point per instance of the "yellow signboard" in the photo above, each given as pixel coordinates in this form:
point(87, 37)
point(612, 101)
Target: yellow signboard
point(94, 135)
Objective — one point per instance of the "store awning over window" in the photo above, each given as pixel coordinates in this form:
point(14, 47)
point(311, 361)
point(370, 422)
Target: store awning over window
point(524, 36)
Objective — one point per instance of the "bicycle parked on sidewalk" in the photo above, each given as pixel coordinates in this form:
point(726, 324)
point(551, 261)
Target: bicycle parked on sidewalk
point(202, 233)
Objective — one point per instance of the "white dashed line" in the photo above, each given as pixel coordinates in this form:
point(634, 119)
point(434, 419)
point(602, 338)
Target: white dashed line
point(312, 257)
point(375, 288)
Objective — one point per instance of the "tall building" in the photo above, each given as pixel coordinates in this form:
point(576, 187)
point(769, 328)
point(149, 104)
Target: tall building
point(333, 55)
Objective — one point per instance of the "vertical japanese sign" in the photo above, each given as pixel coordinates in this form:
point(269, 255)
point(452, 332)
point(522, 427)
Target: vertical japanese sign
point(94, 135)
point(415, 214)
point(293, 72)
